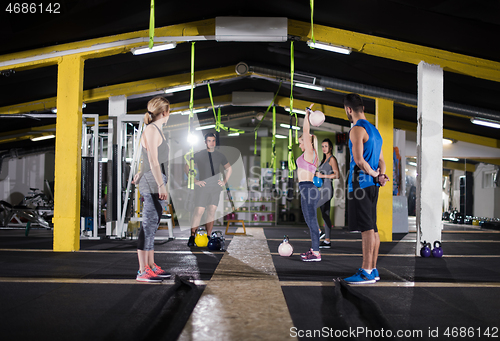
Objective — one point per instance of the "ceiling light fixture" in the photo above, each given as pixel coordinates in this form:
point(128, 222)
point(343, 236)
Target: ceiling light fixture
point(280, 136)
point(233, 134)
point(329, 47)
point(288, 126)
point(447, 142)
point(297, 111)
point(179, 88)
point(450, 159)
point(206, 127)
point(43, 137)
point(486, 122)
point(195, 111)
point(156, 48)
point(310, 86)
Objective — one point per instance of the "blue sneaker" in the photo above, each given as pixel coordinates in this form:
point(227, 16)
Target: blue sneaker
point(361, 277)
point(375, 274)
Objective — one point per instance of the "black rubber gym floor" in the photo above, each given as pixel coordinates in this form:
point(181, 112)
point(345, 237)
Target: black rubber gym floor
point(92, 294)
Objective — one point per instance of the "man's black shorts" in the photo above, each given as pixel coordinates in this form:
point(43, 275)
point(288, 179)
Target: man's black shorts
point(206, 196)
point(362, 208)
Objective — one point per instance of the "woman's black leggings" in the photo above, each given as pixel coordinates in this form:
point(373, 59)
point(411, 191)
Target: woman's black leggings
point(325, 213)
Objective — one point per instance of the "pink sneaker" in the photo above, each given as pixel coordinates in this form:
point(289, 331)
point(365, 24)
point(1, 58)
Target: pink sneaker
point(311, 257)
point(148, 276)
point(305, 254)
point(160, 272)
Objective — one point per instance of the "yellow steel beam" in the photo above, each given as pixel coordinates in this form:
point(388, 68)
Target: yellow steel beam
point(384, 118)
point(461, 166)
point(102, 47)
point(24, 134)
point(485, 160)
point(127, 89)
point(68, 154)
point(397, 50)
point(361, 43)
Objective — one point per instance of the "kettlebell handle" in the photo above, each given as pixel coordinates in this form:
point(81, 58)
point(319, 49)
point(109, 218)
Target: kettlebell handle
point(425, 244)
point(438, 244)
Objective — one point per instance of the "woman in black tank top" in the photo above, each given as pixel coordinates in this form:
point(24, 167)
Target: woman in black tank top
point(153, 187)
point(328, 170)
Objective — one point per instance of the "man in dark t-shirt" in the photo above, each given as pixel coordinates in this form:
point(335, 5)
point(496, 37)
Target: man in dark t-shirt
point(209, 184)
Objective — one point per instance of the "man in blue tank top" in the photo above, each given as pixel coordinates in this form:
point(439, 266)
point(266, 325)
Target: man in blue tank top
point(366, 174)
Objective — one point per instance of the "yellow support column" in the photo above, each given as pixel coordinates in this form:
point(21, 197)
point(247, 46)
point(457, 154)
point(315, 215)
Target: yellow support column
point(384, 120)
point(68, 154)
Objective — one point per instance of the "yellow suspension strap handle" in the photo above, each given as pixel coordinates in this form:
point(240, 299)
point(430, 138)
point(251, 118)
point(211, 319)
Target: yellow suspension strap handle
point(267, 110)
point(190, 154)
point(291, 159)
point(312, 24)
point(216, 115)
point(152, 25)
point(273, 159)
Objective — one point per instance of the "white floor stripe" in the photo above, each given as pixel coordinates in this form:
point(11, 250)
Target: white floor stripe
point(231, 306)
point(232, 282)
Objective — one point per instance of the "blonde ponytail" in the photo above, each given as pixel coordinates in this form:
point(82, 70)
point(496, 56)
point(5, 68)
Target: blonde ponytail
point(156, 106)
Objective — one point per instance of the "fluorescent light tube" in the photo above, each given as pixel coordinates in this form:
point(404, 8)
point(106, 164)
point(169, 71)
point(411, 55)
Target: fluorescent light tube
point(329, 47)
point(288, 126)
point(297, 111)
point(309, 86)
point(233, 134)
point(179, 88)
point(281, 136)
point(450, 159)
point(43, 137)
point(447, 142)
point(195, 111)
point(206, 127)
point(485, 122)
point(156, 48)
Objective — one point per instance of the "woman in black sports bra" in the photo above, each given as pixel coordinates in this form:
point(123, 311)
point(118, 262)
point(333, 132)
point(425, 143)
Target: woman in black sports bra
point(152, 180)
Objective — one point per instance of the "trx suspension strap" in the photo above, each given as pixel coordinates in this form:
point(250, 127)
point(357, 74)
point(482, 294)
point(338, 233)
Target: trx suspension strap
point(273, 159)
point(217, 117)
point(312, 25)
point(260, 122)
point(291, 159)
point(218, 127)
point(190, 155)
point(152, 25)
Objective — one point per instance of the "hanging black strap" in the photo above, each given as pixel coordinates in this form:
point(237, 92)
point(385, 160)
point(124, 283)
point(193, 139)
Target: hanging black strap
point(211, 163)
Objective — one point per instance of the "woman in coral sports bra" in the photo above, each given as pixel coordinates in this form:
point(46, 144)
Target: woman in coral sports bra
point(309, 193)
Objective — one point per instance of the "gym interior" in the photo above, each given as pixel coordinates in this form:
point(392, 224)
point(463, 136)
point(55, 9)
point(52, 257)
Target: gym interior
point(76, 78)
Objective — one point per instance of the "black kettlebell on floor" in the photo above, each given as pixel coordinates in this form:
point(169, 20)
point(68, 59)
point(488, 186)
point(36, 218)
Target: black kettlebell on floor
point(437, 252)
point(425, 251)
